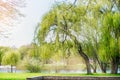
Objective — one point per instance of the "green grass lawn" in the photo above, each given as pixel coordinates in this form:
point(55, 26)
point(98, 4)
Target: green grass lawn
point(16, 76)
point(23, 76)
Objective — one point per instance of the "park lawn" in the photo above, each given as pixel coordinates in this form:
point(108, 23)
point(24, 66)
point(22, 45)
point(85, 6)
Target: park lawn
point(23, 76)
point(17, 76)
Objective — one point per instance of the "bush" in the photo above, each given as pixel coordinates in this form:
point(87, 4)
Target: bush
point(32, 65)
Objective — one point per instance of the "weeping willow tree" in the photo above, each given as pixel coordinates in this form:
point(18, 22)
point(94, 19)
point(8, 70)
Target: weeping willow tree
point(2, 52)
point(92, 33)
point(11, 58)
point(111, 40)
point(67, 22)
point(63, 22)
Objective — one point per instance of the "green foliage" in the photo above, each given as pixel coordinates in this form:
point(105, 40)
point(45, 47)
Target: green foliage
point(90, 26)
point(57, 56)
point(29, 50)
point(2, 52)
point(110, 35)
point(23, 51)
point(102, 54)
point(46, 52)
point(11, 58)
point(32, 65)
point(1, 55)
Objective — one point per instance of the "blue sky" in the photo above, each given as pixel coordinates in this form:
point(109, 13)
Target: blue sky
point(22, 33)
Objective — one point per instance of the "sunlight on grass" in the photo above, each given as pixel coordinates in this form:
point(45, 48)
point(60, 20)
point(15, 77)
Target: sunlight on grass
point(23, 76)
point(16, 76)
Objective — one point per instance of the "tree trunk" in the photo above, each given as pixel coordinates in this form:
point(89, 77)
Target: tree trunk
point(83, 55)
point(114, 68)
point(11, 69)
point(94, 70)
point(94, 65)
point(87, 62)
point(103, 67)
point(114, 65)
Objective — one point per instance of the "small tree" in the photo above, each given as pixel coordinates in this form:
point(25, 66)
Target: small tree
point(11, 58)
point(2, 51)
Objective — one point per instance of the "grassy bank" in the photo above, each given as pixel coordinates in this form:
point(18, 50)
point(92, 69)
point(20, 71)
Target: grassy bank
point(23, 76)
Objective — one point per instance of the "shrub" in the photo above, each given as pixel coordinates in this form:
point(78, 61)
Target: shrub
point(32, 65)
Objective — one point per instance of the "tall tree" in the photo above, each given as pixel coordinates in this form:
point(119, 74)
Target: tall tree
point(66, 21)
point(65, 24)
point(91, 28)
point(111, 39)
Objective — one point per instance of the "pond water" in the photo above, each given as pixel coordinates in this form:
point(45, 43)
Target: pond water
point(73, 71)
point(8, 69)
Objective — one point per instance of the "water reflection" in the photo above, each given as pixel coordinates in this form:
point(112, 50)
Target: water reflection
point(8, 69)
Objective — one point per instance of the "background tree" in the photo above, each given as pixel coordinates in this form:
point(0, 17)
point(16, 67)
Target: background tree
point(30, 58)
point(1, 56)
point(28, 50)
point(11, 58)
point(23, 51)
point(45, 53)
point(2, 52)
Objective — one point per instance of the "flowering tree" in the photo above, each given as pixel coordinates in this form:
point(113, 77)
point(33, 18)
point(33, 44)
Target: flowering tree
point(9, 12)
